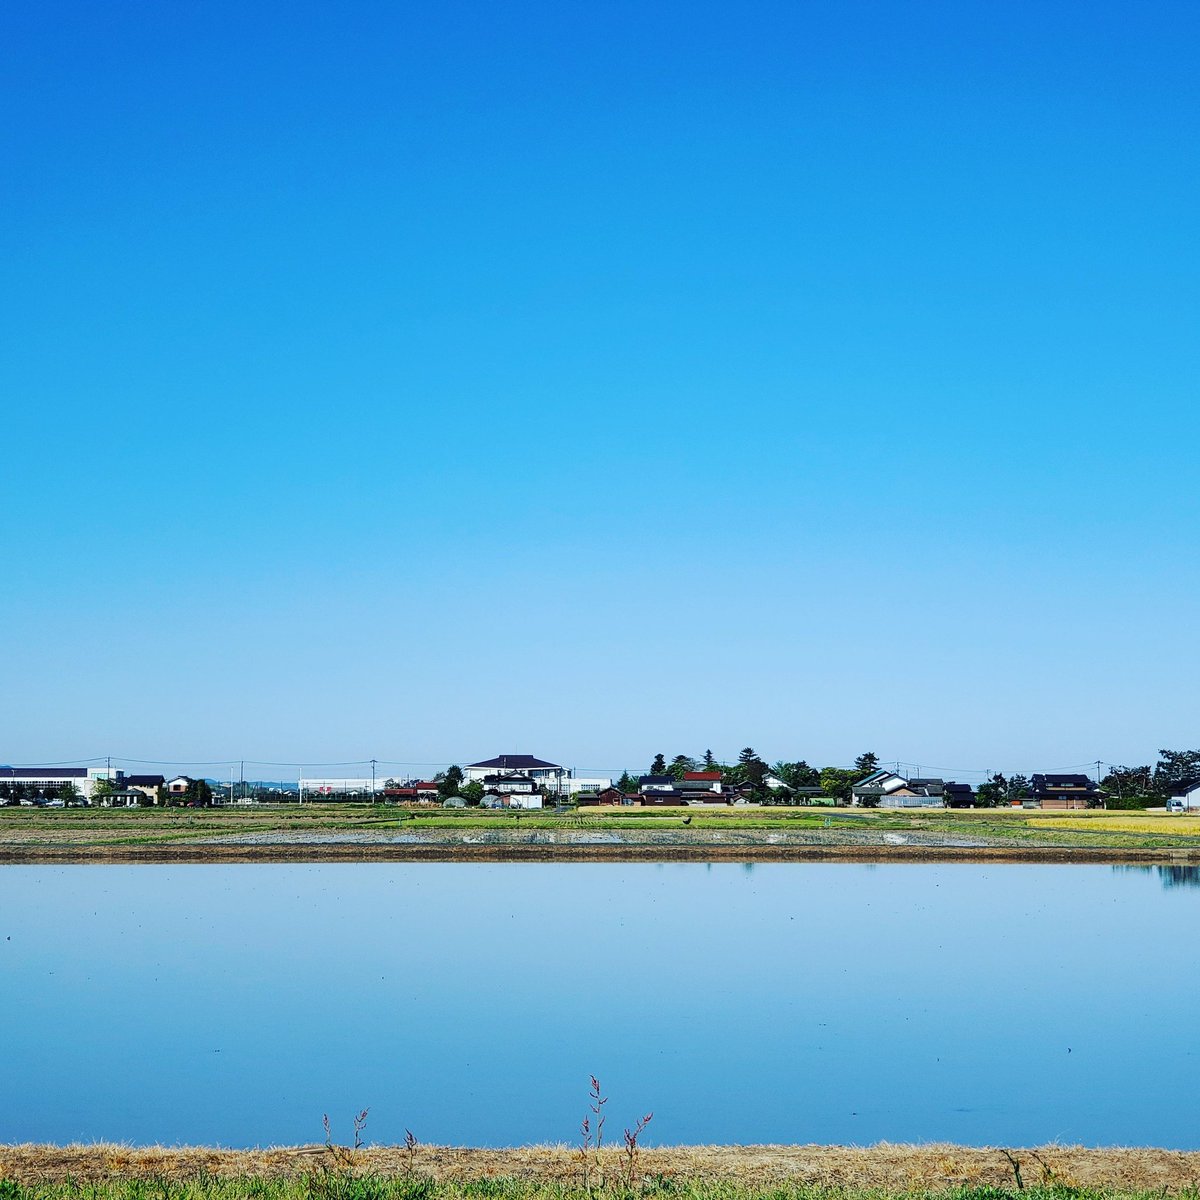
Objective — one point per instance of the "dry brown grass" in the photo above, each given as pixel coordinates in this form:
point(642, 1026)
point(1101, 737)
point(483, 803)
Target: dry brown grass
point(887, 1167)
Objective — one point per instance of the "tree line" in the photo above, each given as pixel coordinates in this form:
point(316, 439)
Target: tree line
point(752, 770)
point(1123, 787)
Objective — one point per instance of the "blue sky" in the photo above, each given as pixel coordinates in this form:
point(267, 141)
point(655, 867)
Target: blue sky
point(430, 382)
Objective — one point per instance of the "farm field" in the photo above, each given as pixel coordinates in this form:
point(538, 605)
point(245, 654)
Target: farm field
point(87, 832)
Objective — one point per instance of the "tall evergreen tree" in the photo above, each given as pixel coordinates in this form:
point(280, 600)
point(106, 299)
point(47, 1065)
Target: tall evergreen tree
point(449, 784)
point(751, 767)
point(866, 763)
point(658, 766)
point(710, 763)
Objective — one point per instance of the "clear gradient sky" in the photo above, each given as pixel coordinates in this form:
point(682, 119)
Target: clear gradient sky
point(426, 382)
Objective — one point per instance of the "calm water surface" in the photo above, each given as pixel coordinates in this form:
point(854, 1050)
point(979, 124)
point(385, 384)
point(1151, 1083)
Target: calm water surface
point(774, 1003)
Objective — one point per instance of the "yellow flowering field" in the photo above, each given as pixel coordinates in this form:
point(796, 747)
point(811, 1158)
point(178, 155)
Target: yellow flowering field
point(1122, 822)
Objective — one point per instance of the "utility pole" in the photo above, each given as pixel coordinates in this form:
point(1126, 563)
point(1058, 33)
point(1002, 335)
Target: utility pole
point(373, 761)
point(1098, 761)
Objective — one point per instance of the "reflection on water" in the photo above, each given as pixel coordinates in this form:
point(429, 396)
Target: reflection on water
point(1179, 876)
point(977, 1003)
point(1170, 876)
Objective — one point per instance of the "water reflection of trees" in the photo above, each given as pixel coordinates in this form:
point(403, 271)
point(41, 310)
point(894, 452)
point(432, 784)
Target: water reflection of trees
point(1169, 877)
point(1179, 876)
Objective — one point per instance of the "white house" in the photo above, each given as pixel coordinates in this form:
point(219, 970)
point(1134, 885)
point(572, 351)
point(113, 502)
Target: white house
point(544, 774)
point(509, 783)
point(1189, 793)
point(889, 790)
point(875, 787)
point(524, 800)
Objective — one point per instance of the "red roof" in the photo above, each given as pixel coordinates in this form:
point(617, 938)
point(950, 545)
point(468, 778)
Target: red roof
point(699, 775)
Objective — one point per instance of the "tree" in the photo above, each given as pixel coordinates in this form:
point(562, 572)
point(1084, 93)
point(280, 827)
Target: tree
point(1173, 768)
point(101, 789)
point(658, 766)
point(751, 768)
point(992, 793)
point(866, 763)
point(1131, 787)
point(710, 763)
point(199, 793)
point(837, 782)
point(1018, 788)
point(471, 792)
point(626, 783)
point(680, 765)
point(797, 774)
point(68, 792)
point(450, 783)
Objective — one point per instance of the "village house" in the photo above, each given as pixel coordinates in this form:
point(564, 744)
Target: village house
point(959, 795)
point(148, 785)
point(1064, 791)
point(545, 774)
point(659, 790)
point(886, 789)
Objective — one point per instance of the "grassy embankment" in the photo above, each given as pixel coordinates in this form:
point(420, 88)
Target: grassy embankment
point(884, 1172)
point(100, 828)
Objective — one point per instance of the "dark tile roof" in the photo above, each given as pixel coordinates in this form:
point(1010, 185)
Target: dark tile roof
point(517, 762)
point(656, 780)
point(1064, 781)
point(1041, 785)
point(144, 781)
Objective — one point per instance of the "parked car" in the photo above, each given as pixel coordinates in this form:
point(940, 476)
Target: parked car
point(1175, 805)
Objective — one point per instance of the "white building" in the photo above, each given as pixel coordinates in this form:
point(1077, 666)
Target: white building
point(589, 783)
point(1188, 794)
point(544, 774)
point(51, 780)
